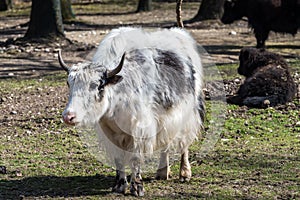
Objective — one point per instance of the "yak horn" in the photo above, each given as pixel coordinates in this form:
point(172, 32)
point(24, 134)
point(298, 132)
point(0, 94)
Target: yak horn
point(117, 69)
point(62, 63)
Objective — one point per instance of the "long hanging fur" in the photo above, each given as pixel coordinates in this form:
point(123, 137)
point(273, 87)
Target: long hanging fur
point(148, 109)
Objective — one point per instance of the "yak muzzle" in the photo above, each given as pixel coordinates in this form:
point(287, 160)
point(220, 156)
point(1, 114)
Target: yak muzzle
point(69, 118)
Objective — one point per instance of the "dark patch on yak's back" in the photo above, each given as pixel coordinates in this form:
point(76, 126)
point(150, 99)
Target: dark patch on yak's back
point(169, 59)
point(170, 69)
point(175, 84)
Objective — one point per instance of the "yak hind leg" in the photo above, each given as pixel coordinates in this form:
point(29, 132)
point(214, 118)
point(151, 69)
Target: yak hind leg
point(185, 173)
point(261, 36)
point(163, 172)
point(121, 183)
point(262, 102)
point(136, 182)
point(237, 100)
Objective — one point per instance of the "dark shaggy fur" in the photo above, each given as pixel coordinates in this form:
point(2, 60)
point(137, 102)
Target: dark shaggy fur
point(281, 16)
point(268, 80)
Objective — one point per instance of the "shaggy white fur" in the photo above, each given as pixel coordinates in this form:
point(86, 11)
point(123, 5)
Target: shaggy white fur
point(152, 104)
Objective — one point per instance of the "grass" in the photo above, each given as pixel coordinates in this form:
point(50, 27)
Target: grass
point(229, 71)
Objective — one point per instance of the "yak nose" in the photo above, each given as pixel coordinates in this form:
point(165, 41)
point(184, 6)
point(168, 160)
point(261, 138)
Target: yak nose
point(69, 118)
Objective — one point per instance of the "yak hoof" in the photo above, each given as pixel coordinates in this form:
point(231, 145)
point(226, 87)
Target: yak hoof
point(137, 188)
point(184, 179)
point(185, 174)
point(120, 186)
point(163, 173)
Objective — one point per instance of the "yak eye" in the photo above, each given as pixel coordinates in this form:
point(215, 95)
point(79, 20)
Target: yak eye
point(93, 86)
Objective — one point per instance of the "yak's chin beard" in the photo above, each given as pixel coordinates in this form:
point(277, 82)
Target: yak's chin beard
point(89, 120)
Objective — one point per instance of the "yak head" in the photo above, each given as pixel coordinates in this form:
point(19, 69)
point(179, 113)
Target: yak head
point(89, 86)
point(252, 59)
point(233, 10)
point(247, 59)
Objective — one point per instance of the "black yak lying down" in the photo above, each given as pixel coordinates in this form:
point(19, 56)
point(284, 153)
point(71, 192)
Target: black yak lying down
point(268, 80)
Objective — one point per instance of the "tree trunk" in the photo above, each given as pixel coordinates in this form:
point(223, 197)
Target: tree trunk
point(209, 9)
point(178, 13)
point(6, 5)
point(66, 10)
point(45, 20)
point(144, 5)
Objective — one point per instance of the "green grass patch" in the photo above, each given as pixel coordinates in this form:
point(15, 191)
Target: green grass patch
point(295, 65)
point(229, 71)
point(57, 79)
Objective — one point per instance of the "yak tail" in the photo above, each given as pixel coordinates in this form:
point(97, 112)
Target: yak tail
point(201, 106)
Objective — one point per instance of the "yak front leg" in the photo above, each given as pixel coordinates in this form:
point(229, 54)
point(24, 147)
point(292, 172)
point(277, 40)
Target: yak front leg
point(163, 171)
point(121, 183)
point(136, 182)
point(185, 167)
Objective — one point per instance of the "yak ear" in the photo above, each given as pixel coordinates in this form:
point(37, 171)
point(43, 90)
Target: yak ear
point(114, 80)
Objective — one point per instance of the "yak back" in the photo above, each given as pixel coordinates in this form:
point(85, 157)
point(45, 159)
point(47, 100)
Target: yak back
point(276, 15)
point(252, 59)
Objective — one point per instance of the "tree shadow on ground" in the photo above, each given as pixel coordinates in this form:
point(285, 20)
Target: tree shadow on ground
point(234, 50)
point(85, 26)
point(283, 46)
point(32, 67)
point(107, 14)
point(56, 187)
point(223, 49)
